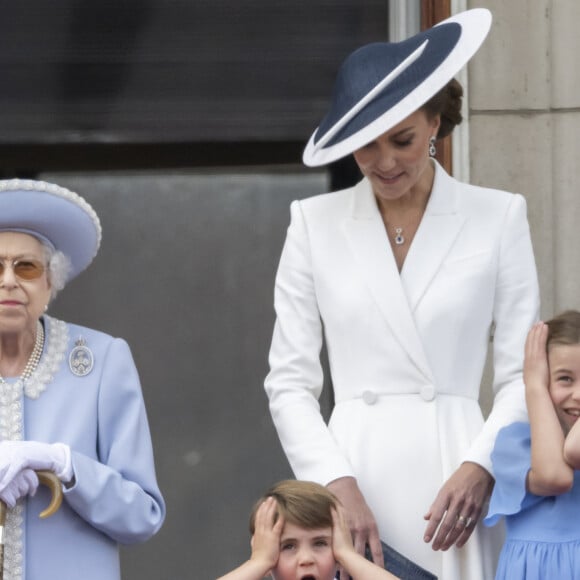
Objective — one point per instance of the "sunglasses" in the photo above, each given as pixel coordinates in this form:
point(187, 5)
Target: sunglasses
point(27, 269)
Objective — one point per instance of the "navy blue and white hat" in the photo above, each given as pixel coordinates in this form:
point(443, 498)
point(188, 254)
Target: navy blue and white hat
point(54, 215)
point(381, 84)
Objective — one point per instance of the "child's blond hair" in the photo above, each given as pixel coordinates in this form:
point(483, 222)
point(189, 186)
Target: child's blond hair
point(564, 329)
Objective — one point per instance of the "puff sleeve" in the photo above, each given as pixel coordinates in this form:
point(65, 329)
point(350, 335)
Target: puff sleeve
point(511, 460)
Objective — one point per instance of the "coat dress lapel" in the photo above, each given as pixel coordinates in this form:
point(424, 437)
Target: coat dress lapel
point(367, 239)
point(398, 294)
point(434, 239)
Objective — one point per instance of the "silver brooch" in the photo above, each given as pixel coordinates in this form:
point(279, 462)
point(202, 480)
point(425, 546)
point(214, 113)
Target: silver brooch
point(81, 359)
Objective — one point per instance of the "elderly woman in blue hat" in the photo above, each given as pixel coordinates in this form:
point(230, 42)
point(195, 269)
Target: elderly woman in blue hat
point(406, 277)
point(70, 402)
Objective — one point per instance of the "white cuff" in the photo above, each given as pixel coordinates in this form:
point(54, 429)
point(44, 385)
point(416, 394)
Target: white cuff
point(65, 473)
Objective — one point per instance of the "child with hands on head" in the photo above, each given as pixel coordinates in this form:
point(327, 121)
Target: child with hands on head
point(537, 464)
point(299, 533)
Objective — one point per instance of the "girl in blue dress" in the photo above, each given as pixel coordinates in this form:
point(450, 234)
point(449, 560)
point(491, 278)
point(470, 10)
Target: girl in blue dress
point(536, 464)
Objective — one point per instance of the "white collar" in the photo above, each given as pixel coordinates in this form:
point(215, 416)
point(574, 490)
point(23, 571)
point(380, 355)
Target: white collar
point(12, 428)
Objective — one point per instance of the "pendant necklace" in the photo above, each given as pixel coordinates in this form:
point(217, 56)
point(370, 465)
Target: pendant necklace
point(399, 238)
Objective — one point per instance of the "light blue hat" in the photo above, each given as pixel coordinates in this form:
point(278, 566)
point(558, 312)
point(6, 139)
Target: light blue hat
point(53, 214)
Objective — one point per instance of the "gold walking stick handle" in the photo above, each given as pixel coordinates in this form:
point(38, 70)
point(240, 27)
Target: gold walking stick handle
point(51, 481)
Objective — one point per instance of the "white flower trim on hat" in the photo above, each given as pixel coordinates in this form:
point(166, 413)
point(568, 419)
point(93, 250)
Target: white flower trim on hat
point(475, 25)
point(52, 188)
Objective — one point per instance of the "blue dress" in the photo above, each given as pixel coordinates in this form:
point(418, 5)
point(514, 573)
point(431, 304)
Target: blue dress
point(100, 413)
point(542, 533)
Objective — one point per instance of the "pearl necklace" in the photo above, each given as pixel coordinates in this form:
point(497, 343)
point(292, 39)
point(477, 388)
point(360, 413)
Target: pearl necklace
point(35, 355)
point(11, 428)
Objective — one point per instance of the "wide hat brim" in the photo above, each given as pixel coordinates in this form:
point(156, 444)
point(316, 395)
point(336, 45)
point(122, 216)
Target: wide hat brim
point(381, 84)
point(53, 214)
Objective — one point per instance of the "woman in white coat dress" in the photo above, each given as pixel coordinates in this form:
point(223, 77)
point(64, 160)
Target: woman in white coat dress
point(408, 277)
point(70, 402)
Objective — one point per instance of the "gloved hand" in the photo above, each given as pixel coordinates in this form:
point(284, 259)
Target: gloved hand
point(24, 483)
point(18, 455)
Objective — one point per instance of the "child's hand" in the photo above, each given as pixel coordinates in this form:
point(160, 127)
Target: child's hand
point(341, 536)
point(352, 564)
point(536, 370)
point(266, 539)
point(265, 545)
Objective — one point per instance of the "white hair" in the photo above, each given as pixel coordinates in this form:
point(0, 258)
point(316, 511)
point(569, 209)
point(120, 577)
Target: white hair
point(58, 266)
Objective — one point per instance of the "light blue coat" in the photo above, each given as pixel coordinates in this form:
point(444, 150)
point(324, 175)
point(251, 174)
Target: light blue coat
point(116, 498)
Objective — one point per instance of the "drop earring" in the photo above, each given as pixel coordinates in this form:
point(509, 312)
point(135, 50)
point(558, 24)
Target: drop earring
point(432, 148)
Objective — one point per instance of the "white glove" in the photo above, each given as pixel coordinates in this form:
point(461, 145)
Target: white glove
point(25, 483)
point(18, 455)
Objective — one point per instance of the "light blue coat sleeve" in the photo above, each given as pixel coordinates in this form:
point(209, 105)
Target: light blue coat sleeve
point(116, 490)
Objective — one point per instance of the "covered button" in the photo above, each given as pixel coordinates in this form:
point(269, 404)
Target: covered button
point(369, 397)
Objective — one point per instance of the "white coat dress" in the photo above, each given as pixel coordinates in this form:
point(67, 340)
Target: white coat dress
point(406, 351)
